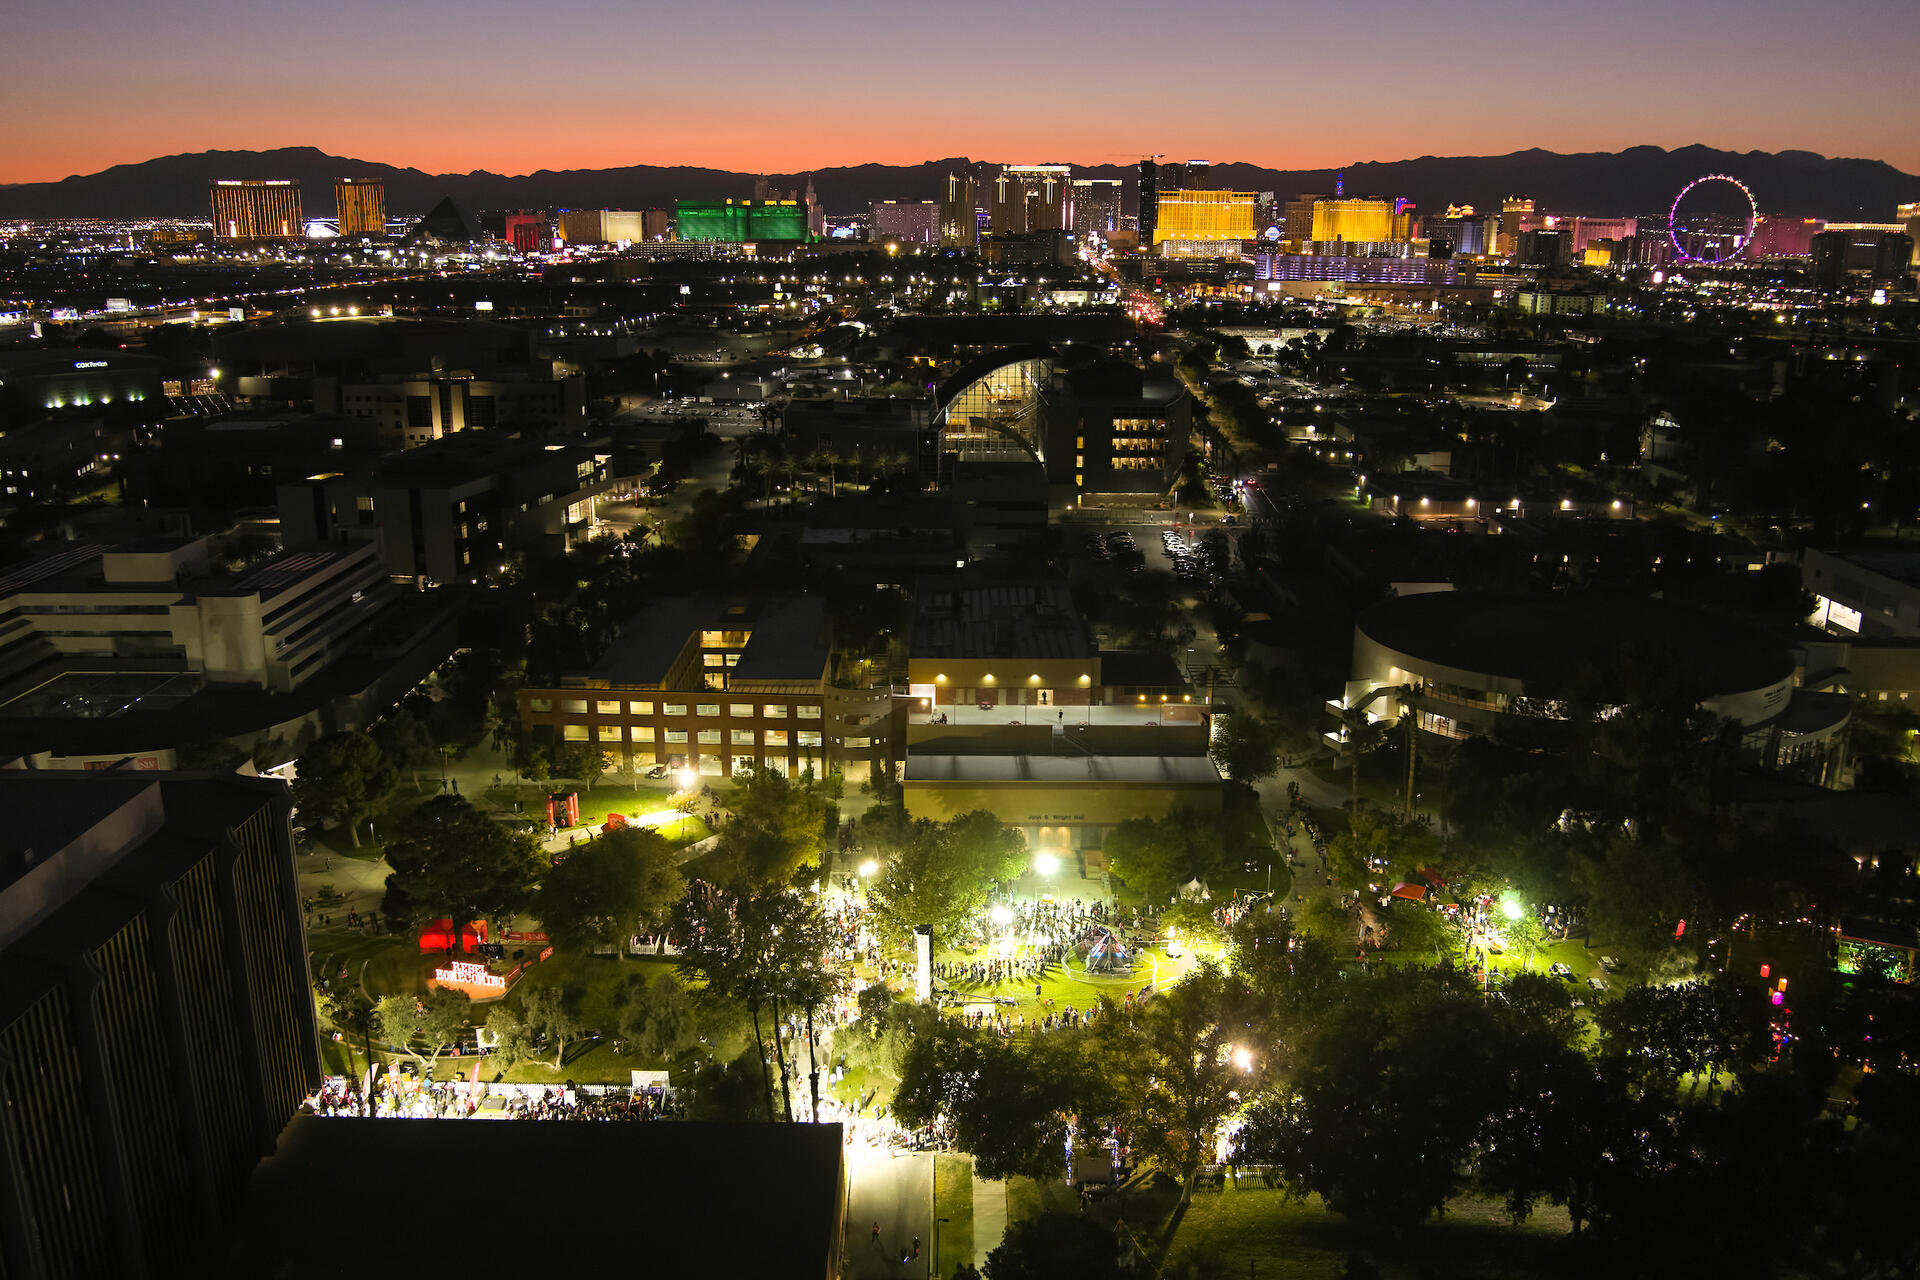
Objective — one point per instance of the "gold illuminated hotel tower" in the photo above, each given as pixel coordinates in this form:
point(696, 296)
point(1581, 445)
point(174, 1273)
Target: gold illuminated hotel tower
point(257, 209)
point(362, 206)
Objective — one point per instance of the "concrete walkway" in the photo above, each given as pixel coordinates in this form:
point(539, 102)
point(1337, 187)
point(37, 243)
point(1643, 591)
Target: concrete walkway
point(989, 1217)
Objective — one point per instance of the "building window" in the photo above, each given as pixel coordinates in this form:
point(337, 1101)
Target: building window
point(639, 708)
point(642, 732)
point(859, 742)
point(777, 738)
point(742, 764)
point(573, 733)
point(676, 736)
point(610, 733)
point(809, 713)
point(774, 711)
point(539, 704)
point(743, 737)
point(708, 709)
point(710, 766)
point(578, 706)
point(740, 710)
point(674, 709)
point(607, 708)
point(714, 659)
point(809, 737)
point(709, 737)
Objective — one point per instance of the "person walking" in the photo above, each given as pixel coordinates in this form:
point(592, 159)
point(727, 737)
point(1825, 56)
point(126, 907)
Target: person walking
point(876, 1235)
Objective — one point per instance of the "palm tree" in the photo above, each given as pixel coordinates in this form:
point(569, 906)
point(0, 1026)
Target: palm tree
point(1361, 733)
point(1412, 699)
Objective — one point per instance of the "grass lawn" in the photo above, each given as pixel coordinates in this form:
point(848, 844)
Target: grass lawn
point(1259, 1231)
point(953, 1200)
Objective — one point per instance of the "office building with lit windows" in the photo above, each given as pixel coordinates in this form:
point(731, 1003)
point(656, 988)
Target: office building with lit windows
point(1096, 206)
point(156, 1023)
point(257, 209)
point(454, 510)
point(361, 206)
point(1030, 197)
point(721, 686)
point(912, 222)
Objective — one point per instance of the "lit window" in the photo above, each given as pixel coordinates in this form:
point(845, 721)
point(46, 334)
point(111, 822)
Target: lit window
point(610, 733)
point(740, 710)
point(809, 737)
point(576, 705)
point(709, 737)
point(707, 709)
point(809, 713)
point(743, 737)
point(539, 704)
point(774, 711)
point(606, 708)
point(640, 708)
point(573, 733)
point(777, 738)
point(673, 709)
point(676, 735)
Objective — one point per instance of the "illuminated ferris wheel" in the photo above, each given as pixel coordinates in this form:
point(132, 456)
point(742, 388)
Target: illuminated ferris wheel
point(1717, 224)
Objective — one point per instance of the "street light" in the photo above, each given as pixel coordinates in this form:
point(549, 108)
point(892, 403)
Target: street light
point(1046, 864)
point(868, 867)
point(1511, 908)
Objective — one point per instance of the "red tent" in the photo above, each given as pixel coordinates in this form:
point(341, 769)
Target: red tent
point(1411, 892)
point(439, 936)
point(615, 822)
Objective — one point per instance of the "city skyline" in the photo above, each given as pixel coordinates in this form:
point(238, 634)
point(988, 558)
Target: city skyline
point(1718, 74)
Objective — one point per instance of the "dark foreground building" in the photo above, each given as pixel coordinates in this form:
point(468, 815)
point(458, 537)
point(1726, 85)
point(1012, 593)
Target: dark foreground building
point(156, 1027)
point(580, 1198)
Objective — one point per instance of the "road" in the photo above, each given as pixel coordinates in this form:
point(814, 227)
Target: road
point(896, 1191)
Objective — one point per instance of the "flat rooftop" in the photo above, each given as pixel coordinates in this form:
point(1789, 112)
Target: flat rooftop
point(962, 619)
point(787, 641)
point(1187, 770)
point(767, 1196)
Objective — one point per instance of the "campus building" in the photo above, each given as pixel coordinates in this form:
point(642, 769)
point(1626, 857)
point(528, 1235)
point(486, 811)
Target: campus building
point(1478, 663)
point(417, 410)
point(1104, 429)
point(256, 209)
point(156, 1025)
point(717, 687)
point(100, 608)
point(1012, 709)
point(452, 510)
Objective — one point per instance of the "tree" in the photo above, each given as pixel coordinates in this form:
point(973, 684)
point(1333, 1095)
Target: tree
point(761, 949)
point(406, 743)
point(776, 826)
point(343, 778)
point(1176, 1072)
point(618, 885)
point(1053, 1245)
point(1245, 747)
point(550, 1016)
point(508, 1039)
point(435, 1019)
point(450, 861)
point(658, 1018)
point(1387, 1102)
point(1158, 857)
point(941, 875)
point(1005, 1102)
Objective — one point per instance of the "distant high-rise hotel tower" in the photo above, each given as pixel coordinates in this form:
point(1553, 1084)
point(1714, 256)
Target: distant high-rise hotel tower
point(257, 209)
point(362, 206)
point(960, 212)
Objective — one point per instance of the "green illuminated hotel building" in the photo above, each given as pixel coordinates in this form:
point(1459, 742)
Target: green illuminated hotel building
point(740, 220)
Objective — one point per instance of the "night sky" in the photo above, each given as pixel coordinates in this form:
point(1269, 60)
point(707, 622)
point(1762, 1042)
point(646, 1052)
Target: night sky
point(513, 86)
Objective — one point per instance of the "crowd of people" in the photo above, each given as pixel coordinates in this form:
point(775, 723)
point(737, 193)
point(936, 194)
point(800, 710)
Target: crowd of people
point(407, 1098)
